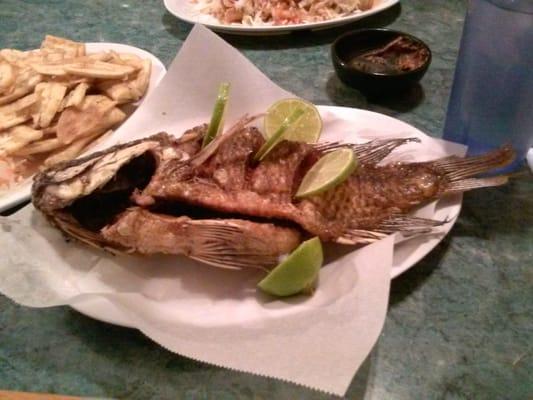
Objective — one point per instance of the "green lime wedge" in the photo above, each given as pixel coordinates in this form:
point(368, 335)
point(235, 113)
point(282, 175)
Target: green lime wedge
point(331, 170)
point(273, 140)
point(308, 127)
point(217, 118)
point(297, 273)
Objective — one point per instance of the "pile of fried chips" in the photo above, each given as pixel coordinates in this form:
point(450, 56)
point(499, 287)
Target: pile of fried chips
point(56, 100)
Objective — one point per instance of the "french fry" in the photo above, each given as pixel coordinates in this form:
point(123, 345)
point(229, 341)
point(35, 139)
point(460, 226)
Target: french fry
point(99, 69)
point(41, 146)
point(50, 97)
point(72, 150)
point(75, 97)
point(18, 137)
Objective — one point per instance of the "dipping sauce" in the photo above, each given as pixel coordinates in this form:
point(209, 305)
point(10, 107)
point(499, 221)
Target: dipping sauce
point(400, 55)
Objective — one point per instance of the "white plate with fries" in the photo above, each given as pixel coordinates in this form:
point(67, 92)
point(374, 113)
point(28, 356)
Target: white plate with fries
point(57, 102)
point(190, 11)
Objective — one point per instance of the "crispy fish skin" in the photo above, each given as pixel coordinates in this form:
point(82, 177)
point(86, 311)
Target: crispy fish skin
point(75, 194)
point(145, 232)
point(230, 182)
point(75, 176)
point(216, 205)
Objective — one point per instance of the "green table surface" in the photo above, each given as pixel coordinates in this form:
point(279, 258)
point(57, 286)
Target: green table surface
point(459, 324)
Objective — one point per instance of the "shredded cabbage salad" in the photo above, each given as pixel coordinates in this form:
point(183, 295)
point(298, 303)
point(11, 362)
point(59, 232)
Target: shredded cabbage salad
point(279, 12)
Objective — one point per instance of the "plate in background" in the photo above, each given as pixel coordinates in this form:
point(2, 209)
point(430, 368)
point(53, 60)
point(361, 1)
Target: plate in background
point(185, 10)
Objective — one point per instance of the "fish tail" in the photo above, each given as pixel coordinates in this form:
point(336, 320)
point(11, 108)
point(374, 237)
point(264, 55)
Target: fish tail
point(456, 169)
point(466, 184)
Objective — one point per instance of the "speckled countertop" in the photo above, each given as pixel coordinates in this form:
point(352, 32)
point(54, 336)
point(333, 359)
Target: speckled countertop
point(460, 323)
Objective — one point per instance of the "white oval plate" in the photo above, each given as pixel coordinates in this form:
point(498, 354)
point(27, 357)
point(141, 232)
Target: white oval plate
point(185, 10)
point(22, 192)
point(366, 125)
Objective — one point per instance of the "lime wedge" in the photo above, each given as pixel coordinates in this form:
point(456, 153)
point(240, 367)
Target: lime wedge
point(273, 140)
point(307, 129)
point(331, 170)
point(297, 272)
point(217, 118)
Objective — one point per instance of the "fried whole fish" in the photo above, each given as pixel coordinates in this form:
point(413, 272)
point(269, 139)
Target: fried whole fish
point(166, 195)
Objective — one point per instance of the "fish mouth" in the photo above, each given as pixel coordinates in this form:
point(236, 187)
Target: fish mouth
point(103, 206)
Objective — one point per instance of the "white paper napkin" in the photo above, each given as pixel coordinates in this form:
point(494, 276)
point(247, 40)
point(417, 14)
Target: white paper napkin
point(201, 312)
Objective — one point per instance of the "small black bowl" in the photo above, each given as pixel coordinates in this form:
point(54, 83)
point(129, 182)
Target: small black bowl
point(352, 44)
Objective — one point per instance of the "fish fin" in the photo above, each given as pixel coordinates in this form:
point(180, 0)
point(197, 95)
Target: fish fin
point(222, 245)
point(475, 183)
point(409, 225)
point(204, 154)
point(405, 224)
point(83, 235)
point(455, 168)
point(359, 236)
point(373, 152)
point(369, 153)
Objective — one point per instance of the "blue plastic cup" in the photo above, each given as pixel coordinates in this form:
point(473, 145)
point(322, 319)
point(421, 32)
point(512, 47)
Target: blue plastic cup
point(492, 94)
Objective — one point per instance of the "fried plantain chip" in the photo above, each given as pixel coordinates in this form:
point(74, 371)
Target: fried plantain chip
point(19, 106)
point(10, 120)
point(23, 59)
point(129, 91)
point(75, 97)
point(96, 114)
point(7, 76)
point(18, 137)
point(50, 96)
point(71, 96)
point(99, 69)
point(25, 82)
point(50, 130)
point(41, 146)
point(100, 56)
point(71, 48)
point(72, 150)
point(49, 69)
